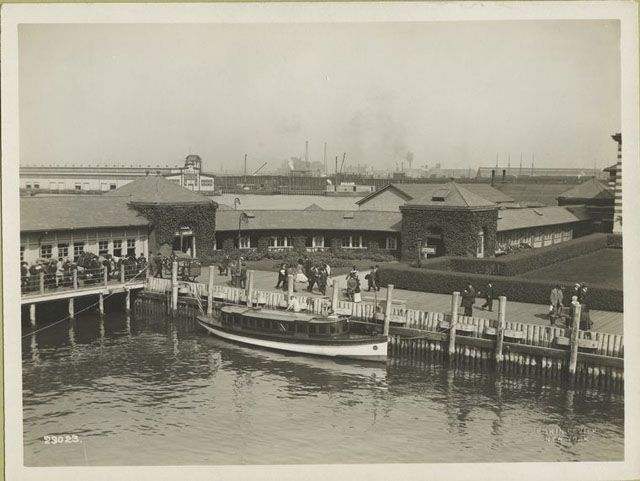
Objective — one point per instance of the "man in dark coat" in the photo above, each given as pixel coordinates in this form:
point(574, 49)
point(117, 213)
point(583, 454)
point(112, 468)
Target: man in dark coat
point(468, 300)
point(488, 298)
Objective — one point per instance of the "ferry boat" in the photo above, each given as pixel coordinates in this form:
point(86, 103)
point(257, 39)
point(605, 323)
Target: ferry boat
point(297, 332)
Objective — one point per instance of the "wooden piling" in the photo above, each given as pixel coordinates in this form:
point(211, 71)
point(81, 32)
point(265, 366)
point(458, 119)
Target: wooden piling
point(249, 288)
point(32, 314)
point(41, 282)
point(71, 308)
point(290, 281)
point(127, 300)
point(387, 310)
point(101, 303)
point(210, 292)
point(174, 286)
point(455, 302)
point(502, 312)
point(575, 328)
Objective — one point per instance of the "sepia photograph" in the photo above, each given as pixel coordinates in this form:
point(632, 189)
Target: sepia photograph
point(318, 237)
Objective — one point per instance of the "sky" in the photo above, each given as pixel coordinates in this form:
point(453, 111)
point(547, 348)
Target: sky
point(455, 93)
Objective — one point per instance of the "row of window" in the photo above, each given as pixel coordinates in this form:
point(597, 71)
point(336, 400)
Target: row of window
point(77, 186)
point(348, 242)
point(117, 249)
point(537, 238)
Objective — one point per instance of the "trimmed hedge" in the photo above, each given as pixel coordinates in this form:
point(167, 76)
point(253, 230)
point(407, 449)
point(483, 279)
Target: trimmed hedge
point(614, 241)
point(514, 288)
point(523, 261)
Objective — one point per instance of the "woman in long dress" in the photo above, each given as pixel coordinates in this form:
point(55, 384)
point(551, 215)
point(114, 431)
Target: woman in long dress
point(300, 276)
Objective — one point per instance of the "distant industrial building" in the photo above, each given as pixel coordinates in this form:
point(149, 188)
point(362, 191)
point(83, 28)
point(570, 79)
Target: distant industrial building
point(85, 178)
point(510, 171)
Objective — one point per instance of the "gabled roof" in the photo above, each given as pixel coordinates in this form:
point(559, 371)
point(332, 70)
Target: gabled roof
point(510, 219)
point(611, 168)
point(359, 220)
point(448, 196)
point(414, 191)
point(156, 190)
point(591, 189)
point(525, 193)
point(44, 213)
point(313, 206)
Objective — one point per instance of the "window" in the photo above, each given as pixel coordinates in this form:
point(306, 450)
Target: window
point(245, 242)
point(279, 242)
point(103, 247)
point(206, 182)
point(112, 186)
point(28, 186)
point(392, 244)
point(480, 245)
point(53, 185)
point(36, 186)
point(318, 241)
point(117, 248)
point(566, 235)
point(352, 242)
point(85, 186)
point(104, 186)
point(557, 237)
point(78, 248)
point(78, 186)
point(45, 251)
point(21, 253)
point(215, 244)
point(131, 247)
point(60, 185)
point(63, 251)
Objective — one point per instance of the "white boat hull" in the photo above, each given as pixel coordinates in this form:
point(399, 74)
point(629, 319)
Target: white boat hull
point(374, 351)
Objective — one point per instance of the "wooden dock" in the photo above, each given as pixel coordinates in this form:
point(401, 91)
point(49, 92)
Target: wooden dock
point(592, 357)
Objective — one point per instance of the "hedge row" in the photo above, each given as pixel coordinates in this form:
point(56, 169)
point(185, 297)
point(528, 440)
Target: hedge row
point(614, 241)
point(340, 258)
point(524, 261)
point(514, 288)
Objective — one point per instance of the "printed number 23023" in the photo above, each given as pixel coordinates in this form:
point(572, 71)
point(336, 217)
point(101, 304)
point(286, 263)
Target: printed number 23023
point(61, 439)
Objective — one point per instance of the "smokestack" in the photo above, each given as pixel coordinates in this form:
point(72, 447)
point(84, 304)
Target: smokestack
point(504, 175)
point(493, 176)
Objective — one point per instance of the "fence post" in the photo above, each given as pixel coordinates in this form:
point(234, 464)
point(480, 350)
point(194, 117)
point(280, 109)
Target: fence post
point(249, 288)
point(455, 302)
point(289, 287)
point(106, 276)
point(32, 314)
point(335, 294)
point(174, 286)
point(502, 313)
point(75, 278)
point(387, 309)
point(575, 328)
point(210, 292)
point(42, 282)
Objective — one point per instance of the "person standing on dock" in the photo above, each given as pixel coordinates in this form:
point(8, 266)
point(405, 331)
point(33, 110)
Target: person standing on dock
point(322, 281)
point(468, 300)
point(488, 298)
point(555, 307)
point(157, 265)
point(282, 276)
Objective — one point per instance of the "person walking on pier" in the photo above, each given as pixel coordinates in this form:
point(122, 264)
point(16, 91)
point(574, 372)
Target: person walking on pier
point(488, 298)
point(312, 277)
point(371, 280)
point(157, 265)
point(322, 281)
point(282, 275)
point(468, 300)
point(556, 306)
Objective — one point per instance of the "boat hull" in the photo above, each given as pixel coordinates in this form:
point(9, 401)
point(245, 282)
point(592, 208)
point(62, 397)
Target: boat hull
point(364, 351)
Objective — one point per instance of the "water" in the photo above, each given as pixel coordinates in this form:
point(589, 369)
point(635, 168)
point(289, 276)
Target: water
point(153, 392)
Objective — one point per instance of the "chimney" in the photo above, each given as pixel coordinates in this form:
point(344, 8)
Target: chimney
point(493, 176)
point(504, 174)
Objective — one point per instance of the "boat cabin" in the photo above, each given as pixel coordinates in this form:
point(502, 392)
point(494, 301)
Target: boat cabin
point(283, 323)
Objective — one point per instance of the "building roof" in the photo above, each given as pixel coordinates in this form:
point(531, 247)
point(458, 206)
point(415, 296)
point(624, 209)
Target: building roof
point(529, 193)
point(611, 168)
point(367, 220)
point(288, 202)
point(451, 195)
point(156, 190)
point(510, 219)
point(313, 206)
point(414, 191)
point(591, 189)
point(44, 213)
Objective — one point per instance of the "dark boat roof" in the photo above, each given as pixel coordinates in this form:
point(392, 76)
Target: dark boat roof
point(277, 315)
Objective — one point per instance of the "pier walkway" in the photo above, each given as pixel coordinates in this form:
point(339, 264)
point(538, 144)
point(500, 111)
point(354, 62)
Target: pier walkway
point(603, 321)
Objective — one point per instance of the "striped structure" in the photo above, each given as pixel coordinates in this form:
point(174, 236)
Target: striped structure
point(617, 215)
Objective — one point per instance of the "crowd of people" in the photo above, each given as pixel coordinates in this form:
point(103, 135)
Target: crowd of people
point(305, 272)
point(579, 296)
point(87, 266)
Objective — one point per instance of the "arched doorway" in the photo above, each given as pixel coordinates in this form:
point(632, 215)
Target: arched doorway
point(433, 243)
point(480, 244)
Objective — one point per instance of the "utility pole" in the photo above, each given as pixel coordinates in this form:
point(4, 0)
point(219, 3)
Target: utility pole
point(325, 158)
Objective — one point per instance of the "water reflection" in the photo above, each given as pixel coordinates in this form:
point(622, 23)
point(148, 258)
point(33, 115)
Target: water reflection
point(165, 385)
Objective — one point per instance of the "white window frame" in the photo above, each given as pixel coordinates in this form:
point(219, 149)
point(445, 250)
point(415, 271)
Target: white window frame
point(46, 251)
point(245, 242)
point(117, 244)
point(102, 251)
point(391, 243)
point(350, 244)
point(78, 248)
point(317, 241)
point(63, 247)
point(131, 244)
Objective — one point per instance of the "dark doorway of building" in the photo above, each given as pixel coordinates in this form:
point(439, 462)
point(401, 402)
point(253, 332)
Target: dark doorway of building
point(184, 241)
point(433, 243)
